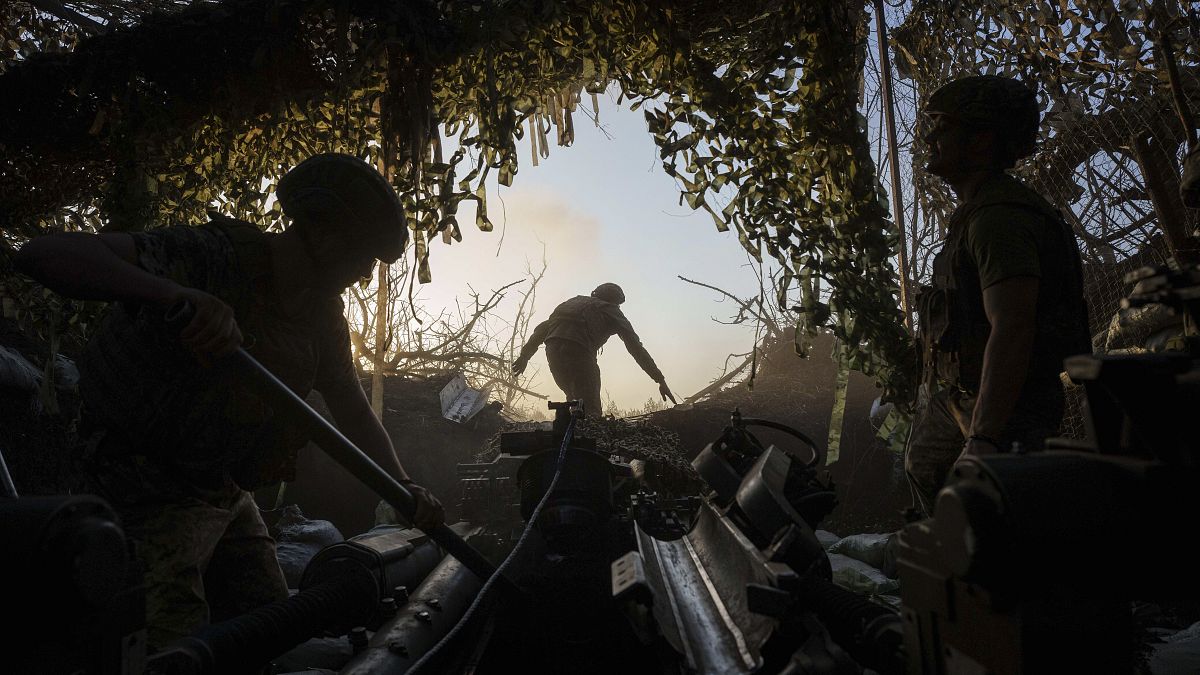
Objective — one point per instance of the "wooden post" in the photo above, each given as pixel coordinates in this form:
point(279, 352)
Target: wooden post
point(381, 307)
point(1162, 182)
point(381, 291)
point(885, 79)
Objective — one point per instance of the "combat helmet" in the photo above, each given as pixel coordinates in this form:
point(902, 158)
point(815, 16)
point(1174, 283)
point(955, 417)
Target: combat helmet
point(609, 292)
point(336, 190)
point(992, 102)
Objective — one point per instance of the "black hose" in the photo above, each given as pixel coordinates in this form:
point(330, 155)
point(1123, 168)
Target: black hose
point(430, 655)
point(818, 455)
point(245, 643)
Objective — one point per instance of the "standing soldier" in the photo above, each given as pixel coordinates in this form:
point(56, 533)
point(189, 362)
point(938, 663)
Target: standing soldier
point(575, 331)
point(1006, 306)
point(177, 445)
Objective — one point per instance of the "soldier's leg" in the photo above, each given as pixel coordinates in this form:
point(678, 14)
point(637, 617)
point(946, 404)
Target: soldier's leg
point(174, 541)
point(576, 372)
point(243, 572)
point(562, 366)
point(589, 388)
point(936, 442)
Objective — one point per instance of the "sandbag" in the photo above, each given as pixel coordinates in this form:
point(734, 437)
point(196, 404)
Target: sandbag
point(16, 372)
point(869, 548)
point(858, 576)
point(827, 538)
point(298, 539)
point(1179, 653)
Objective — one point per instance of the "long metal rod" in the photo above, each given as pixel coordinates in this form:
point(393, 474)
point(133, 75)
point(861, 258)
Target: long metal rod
point(353, 459)
point(6, 481)
point(885, 86)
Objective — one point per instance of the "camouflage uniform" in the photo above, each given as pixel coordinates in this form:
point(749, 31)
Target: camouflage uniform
point(574, 333)
point(1004, 230)
point(177, 445)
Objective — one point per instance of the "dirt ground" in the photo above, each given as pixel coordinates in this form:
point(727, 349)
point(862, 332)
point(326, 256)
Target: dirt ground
point(429, 446)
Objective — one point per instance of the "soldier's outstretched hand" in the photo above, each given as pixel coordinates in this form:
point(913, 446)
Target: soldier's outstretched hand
point(666, 392)
point(518, 366)
point(430, 512)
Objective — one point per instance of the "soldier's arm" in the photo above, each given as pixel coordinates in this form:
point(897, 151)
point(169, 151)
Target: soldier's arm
point(536, 338)
point(105, 267)
point(94, 267)
point(1011, 309)
point(1003, 241)
point(633, 344)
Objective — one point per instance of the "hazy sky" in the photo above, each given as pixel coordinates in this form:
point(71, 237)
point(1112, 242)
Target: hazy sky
point(606, 211)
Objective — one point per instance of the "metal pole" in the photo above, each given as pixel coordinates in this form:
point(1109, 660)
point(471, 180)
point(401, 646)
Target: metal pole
point(354, 460)
point(885, 81)
point(288, 404)
point(7, 486)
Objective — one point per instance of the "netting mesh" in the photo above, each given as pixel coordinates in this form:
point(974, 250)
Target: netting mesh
point(1089, 171)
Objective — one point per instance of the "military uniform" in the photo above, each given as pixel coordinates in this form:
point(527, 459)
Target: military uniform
point(1004, 230)
point(574, 333)
point(177, 446)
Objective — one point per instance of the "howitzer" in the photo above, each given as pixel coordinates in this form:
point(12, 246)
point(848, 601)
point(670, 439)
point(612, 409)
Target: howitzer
point(609, 576)
point(351, 586)
point(620, 578)
point(612, 577)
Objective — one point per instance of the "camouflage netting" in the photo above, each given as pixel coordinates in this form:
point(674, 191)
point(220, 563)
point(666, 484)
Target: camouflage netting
point(172, 108)
point(659, 448)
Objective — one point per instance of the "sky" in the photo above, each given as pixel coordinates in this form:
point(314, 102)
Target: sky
point(606, 211)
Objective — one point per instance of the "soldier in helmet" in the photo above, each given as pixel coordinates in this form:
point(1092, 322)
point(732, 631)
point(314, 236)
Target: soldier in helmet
point(1006, 306)
point(178, 446)
point(575, 331)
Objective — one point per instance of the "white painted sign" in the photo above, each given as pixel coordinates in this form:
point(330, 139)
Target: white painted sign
point(460, 402)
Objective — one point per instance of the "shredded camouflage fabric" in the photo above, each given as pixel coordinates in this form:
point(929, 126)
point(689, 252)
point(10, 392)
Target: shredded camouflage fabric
point(654, 445)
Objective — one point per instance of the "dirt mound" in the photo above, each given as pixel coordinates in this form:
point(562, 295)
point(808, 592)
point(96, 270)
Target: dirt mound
point(799, 392)
point(429, 446)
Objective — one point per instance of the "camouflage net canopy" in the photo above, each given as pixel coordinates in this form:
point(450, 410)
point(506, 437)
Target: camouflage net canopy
point(668, 466)
point(123, 115)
